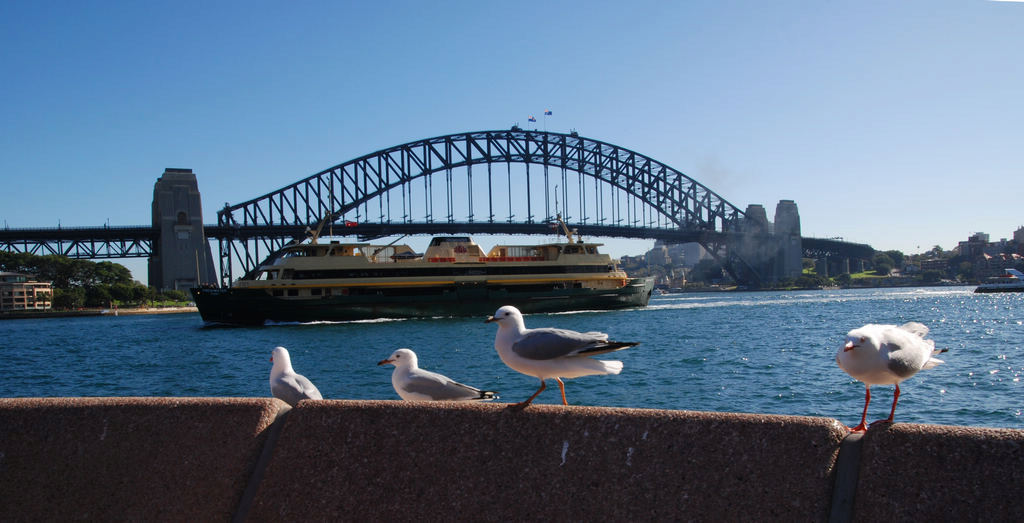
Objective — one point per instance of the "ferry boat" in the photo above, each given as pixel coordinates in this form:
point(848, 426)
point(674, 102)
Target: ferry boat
point(1011, 281)
point(334, 281)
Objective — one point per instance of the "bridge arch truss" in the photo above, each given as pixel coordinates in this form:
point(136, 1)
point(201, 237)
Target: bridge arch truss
point(466, 182)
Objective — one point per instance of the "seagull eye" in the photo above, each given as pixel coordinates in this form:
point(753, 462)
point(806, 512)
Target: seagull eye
point(863, 339)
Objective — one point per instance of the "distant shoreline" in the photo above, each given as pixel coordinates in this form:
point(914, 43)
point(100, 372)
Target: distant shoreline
point(131, 311)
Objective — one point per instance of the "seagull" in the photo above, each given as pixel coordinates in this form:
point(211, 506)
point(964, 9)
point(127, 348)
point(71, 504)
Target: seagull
point(415, 384)
point(551, 353)
point(884, 355)
point(285, 384)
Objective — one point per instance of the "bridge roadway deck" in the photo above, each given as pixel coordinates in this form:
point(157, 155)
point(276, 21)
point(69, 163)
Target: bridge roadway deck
point(256, 459)
point(143, 236)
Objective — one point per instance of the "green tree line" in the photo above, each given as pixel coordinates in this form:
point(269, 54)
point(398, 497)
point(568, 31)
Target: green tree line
point(84, 283)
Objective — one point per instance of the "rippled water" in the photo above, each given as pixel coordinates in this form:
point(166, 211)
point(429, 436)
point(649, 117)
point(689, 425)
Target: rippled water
point(737, 352)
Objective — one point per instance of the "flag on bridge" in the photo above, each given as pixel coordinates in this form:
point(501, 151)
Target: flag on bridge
point(531, 119)
point(350, 223)
point(547, 113)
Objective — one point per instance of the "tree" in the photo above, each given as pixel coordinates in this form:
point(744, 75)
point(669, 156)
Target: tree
point(72, 298)
point(97, 296)
point(810, 281)
point(883, 263)
point(110, 273)
point(965, 271)
point(897, 258)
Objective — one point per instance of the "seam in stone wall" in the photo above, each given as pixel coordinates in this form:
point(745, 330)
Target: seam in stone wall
point(847, 474)
point(256, 477)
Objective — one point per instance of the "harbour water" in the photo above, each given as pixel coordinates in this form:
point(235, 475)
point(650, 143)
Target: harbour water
point(763, 352)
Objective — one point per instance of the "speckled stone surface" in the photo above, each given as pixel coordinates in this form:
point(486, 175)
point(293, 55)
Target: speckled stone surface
point(940, 473)
point(395, 461)
point(141, 459)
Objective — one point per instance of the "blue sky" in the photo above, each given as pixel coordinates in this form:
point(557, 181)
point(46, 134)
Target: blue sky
point(898, 124)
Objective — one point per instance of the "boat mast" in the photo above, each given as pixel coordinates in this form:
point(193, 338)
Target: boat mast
point(565, 230)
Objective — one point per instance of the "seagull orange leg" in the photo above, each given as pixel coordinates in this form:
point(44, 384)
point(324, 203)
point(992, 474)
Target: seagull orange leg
point(561, 387)
point(895, 398)
point(523, 404)
point(862, 427)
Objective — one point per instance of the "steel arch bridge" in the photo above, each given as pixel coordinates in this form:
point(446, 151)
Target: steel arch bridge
point(465, 182)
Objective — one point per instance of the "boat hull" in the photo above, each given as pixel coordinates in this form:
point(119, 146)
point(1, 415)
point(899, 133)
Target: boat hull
point(985, 289)
point(247, 306)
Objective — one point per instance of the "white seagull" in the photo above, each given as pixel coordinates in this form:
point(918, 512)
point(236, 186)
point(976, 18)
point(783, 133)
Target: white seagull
point(551, 353)
point(415, 384)
point(886, 355)
point(285, 384)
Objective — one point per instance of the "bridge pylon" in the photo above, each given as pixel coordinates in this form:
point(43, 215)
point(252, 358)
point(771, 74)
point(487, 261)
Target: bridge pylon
point(761, 251)
point(181, 257)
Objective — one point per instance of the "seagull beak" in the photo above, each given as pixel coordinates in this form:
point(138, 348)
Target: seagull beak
point(849, 346)
point(490, 319)
point(384, 362)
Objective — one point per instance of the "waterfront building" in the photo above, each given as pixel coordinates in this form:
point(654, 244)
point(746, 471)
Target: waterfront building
point(20, 292)
point(991, 258)
point(935, 264)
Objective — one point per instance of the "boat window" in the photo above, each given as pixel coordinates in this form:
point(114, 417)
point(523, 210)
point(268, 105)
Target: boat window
point(316, 292)
point(293, 292)
point(522, 251)
point(445, 239)
point(591, 250)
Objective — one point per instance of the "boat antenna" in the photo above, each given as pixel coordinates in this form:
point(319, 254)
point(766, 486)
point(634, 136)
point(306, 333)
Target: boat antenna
point(557, 213)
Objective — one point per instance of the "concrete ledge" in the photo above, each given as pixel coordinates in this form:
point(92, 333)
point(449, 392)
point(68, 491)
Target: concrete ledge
point(249, 459)
point(142, 459)
point(940, 473)
point(395, 461)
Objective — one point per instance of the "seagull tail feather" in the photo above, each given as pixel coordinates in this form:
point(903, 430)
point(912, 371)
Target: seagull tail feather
point(933, 361)
point(610, 346)
point(611, 366)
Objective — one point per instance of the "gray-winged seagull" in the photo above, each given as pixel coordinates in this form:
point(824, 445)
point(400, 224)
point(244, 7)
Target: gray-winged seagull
point(551, 353)
point(415, 384)
point(285, 384)
point(886, 355)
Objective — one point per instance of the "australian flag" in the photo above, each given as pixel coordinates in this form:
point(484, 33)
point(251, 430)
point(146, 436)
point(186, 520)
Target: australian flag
point(531, 119)
point(547, 113)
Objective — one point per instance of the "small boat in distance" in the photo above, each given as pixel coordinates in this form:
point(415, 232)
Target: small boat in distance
point(313, 281)
point(1011, 281)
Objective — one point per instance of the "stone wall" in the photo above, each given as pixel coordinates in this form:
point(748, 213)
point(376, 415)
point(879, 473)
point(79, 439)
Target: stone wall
point(255, 459)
